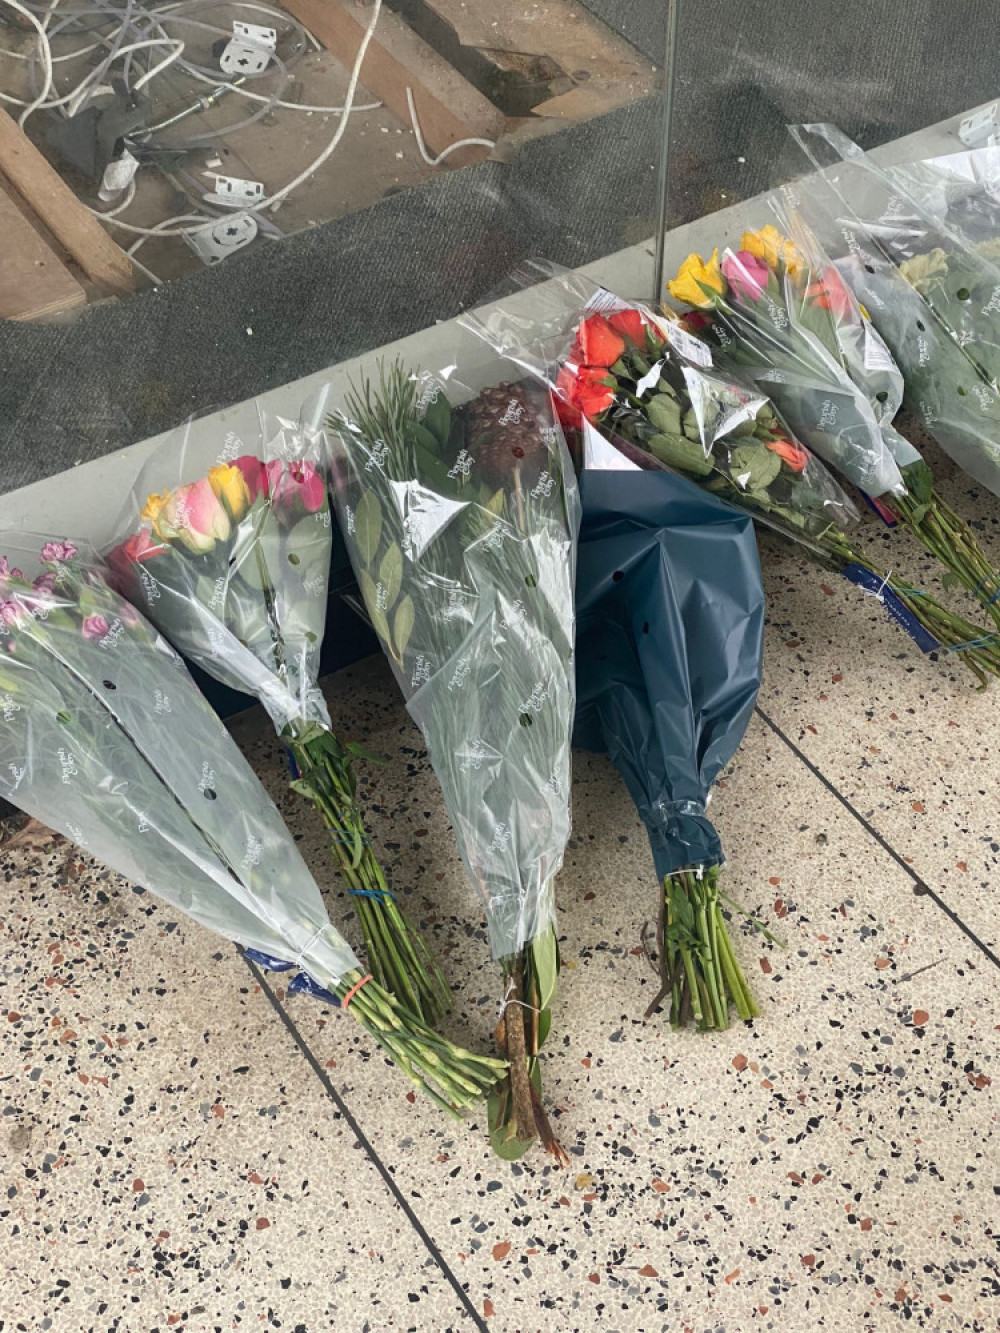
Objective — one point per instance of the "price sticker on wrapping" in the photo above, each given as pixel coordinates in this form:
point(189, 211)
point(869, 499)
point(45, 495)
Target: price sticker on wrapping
point(877, 355)
point(684, 344)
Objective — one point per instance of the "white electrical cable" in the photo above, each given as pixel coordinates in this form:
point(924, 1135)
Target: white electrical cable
point(291, 106)
point(342, 124)
point(73, 100)
point(421, 145)
point(43, 39)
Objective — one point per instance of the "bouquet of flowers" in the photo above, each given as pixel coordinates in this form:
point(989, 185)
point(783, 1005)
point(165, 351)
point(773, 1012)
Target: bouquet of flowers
point(919, 244)
point(648, 385)
point(670, 623)
point(105, 737)
point(778, 314)
point(460, 513)
point(233, 568)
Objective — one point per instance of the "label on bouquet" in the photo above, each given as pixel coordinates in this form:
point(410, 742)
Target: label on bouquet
point(884, 512)
point(604, 302)
point(873, 586)
point(687, 345)
point(877, 355)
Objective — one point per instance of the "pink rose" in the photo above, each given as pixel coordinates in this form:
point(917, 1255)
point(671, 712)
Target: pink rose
point(7, 573)
point(254, 474)
point(746, 274)
point(10, 613)
point(56, 552)
point(129, 615)
point(194, 516)
point(94, 627)
point(45, 582)
point(296, 483)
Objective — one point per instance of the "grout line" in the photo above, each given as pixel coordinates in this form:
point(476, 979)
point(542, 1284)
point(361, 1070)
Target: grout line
point(366, 1144)
point(921, 885)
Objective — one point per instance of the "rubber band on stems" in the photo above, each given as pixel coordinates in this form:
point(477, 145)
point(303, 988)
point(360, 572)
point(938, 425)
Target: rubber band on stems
point(353, 991)
point(379, 895)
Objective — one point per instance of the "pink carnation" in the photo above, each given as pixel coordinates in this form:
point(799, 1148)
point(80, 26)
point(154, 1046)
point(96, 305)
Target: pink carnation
point(55, 552)
point(94, 627)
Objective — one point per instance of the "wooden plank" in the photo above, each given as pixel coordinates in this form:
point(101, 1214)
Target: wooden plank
point(34, 284)
point(533, 52)
point(448, 107)
point(58, 207)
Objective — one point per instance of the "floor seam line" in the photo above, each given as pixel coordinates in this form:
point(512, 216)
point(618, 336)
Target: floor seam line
point(924, 889)
point(369, 1150)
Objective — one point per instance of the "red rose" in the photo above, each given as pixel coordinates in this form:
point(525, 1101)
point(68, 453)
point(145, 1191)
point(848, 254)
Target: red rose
point(697, 321)
point(630, 324)
point(589, 389)
point(831, 293)
point(790, 452)
point(597, 344)
point(134, 551)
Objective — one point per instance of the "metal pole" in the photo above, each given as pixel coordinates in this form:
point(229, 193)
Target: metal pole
point(663, 184)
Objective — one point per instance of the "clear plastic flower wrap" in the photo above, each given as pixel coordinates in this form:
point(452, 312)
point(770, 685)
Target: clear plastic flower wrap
point(778, 313)
point(459, 506)
point(233, 567)
point(650, 388)
point(919, 244)
point(105, 738)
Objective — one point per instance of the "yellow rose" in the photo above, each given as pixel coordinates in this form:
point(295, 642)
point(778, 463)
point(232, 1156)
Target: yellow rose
point(696, 281)
point(769, 244)
point(151, 509)
point(229, 485)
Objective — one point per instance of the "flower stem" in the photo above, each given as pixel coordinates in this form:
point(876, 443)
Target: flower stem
point(699, 970)
point(397, 953)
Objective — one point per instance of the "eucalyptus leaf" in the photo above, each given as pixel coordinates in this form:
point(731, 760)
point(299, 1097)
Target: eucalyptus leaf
point(368, 526)
point(402, 625)
point(369, 591)
point(545, 961)
point(544, 1025)
point(390, 574)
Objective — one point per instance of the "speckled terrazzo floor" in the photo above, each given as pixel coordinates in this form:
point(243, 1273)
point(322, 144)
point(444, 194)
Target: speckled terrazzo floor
point(183, 1147)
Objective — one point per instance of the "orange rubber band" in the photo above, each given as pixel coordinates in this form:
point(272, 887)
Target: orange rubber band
point(353, 991)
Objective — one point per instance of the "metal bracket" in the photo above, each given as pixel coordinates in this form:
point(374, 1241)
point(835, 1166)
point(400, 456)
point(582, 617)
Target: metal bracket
point(220, 239)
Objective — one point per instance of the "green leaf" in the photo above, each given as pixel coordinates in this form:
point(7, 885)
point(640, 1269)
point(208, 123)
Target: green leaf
point(390, 573)
point(402, 625)
point(545, 961)
point(368, 526)
point(503, 1137)
point(495, 504)
point(369, 592)
point(424, 438)
point(303, 788)
point(544, 1025)
point(680, 453)
point(437, 418)
point(359, 752)
point(665, 414)
point(753, 466)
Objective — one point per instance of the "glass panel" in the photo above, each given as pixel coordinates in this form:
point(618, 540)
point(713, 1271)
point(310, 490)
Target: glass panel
point(358, 229)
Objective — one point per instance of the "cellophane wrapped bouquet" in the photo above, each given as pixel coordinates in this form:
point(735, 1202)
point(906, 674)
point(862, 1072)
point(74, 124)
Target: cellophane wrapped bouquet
point(459, 507)
point(779, 315)
point(919, 244)
point(651, 388)
point(232, 565)
point(105, 738)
